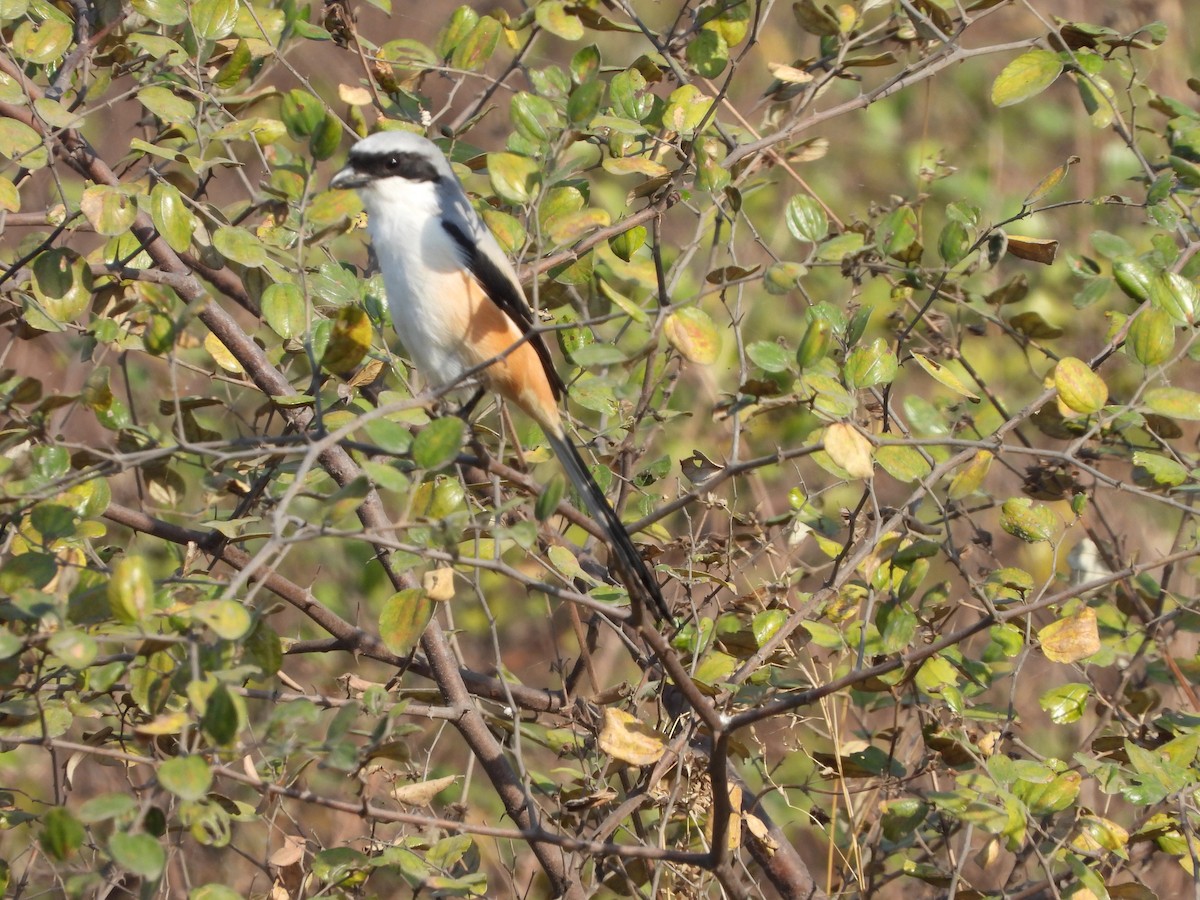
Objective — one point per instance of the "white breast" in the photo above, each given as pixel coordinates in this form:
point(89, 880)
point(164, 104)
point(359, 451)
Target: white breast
point(423, 274)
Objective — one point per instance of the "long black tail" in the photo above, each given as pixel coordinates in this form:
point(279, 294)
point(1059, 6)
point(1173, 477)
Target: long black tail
point(626, 554)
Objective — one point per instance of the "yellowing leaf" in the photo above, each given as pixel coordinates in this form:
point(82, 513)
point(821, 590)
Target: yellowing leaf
point(221, 355)
point(439, 584)
point(109, 210)
point(403, 619)
point(968, 480)
point(944, 376)
point(628, 739)
point(1072, 638)
point(349, 340)
point(693, 334)
point(789, 74)
point(354, 95)
point(1027, 75)
point(1050, 182)
point(1079, 388)
point(634, 165)
point(850, 449)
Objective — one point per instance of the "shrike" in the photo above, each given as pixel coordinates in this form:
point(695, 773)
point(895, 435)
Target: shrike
point(457, 303)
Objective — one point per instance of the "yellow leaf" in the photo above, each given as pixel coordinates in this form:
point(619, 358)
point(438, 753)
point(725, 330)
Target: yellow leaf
point(944, 376)
point(221, 355)
point(693, 334)
point(628, 739)
point(1073, 638)
point(439, 584)
point(847, 447)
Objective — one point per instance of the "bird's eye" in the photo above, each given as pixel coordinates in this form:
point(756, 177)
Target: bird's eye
point(393, 163)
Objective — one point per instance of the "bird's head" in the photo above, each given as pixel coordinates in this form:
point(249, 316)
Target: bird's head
point(391, 160)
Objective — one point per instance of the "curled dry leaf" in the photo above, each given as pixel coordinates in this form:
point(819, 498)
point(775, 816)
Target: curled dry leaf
point(423, 792)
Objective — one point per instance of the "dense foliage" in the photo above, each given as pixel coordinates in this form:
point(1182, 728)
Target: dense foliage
point(879, 325)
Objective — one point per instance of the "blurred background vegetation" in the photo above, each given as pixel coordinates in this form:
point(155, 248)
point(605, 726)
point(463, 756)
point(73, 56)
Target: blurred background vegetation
point(878, 321)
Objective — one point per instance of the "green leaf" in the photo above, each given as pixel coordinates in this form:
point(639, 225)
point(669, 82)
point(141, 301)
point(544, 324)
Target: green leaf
point(22, 144)
point(870, 365)
point(284, 310)
point(1055, 796)
point(171, 216)
point(1173, 402)
point(628, 242)
point(228, 619)
point(708, 53)
point(897, 232)
point(548, 499)
point(584, 103)
point(534, 117)
point(769, 356)
point(239, 245)
point(461, 23)
point(1151, 339)
point(1065, 703)
point(221, 717)
point(552, 15)
point(474, 52)
point(806, 219)
point(514, 178)
point(1176, 295)
point(302, 113)
point(41, 43)
point(61, 834)
point(438, 443)
point(953, 243)
point(766, 625)
point(403, 619)
point(686, 108)
point(715, 668)
point(77, 649)
point(110, 210)
point(1162, 469)
point(1026, 76)
point(167, 105)
point(140, 854)
point(326, 138)
point(1022, 519)
point(105, 807)
point(585, 64)
point(62, 283)
point(187, 777)
point(131, 590)
point(902, 463)
point(213, 19)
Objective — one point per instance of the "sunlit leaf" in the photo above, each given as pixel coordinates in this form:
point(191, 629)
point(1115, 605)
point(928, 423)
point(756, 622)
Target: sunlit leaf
point(1026, 76)
point(1072, 638)
point(626, 738)
point(692, 333)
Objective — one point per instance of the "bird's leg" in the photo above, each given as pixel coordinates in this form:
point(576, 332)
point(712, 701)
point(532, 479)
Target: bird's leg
point(464, 411)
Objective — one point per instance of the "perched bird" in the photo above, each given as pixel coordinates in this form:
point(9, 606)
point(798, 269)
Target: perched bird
point(458, 305)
